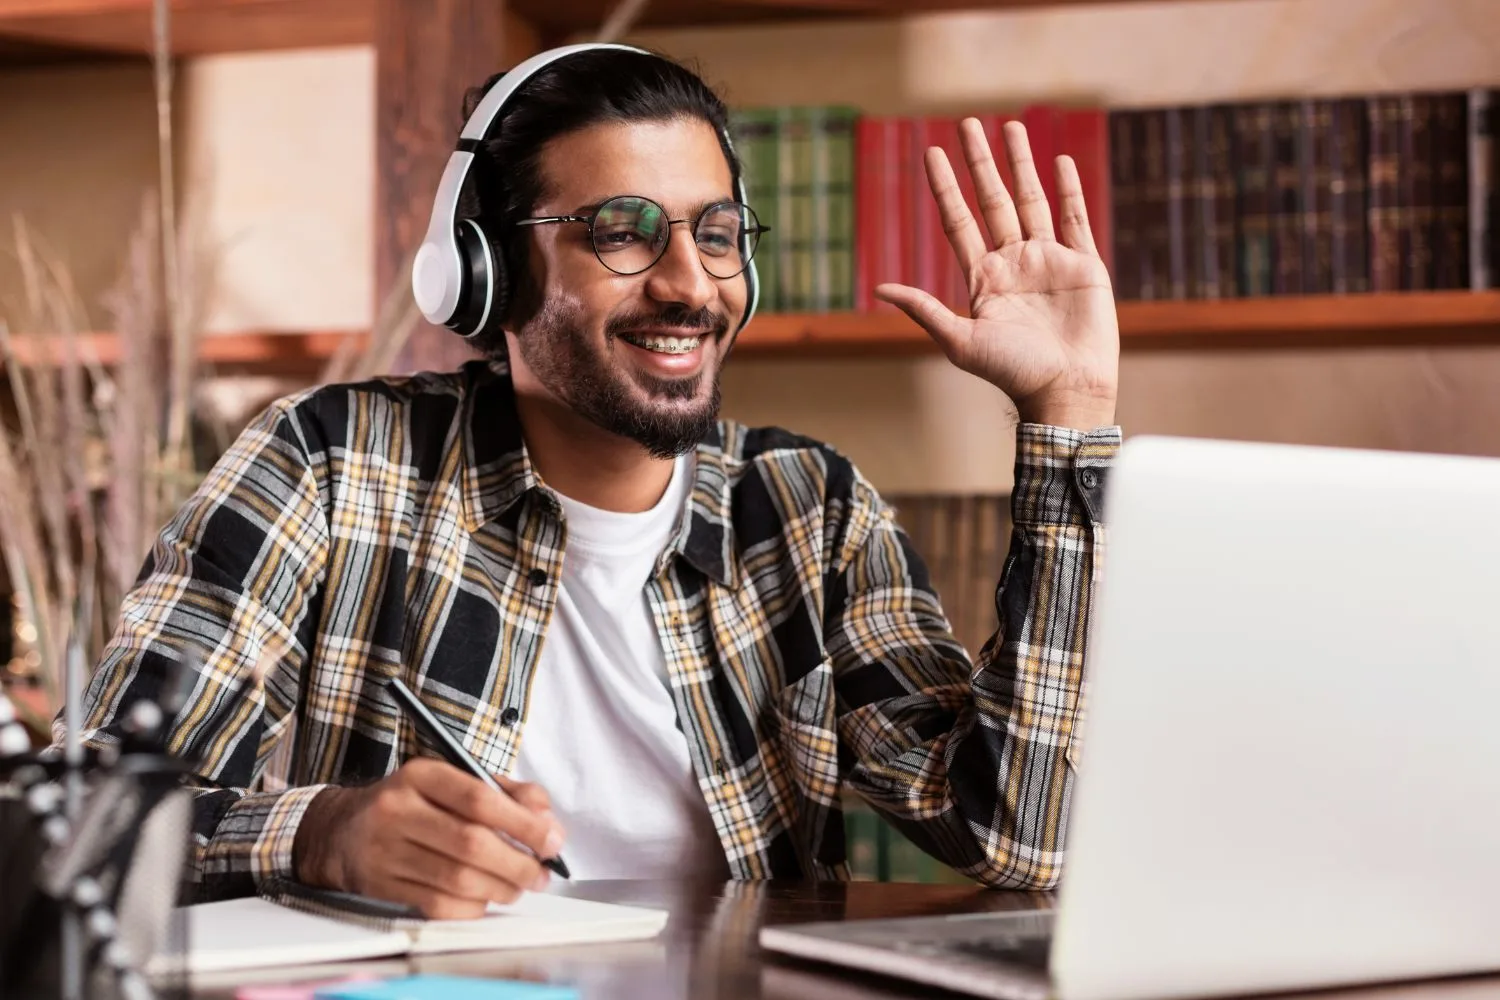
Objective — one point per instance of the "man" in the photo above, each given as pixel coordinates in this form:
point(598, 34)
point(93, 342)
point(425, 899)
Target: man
point(676, 637)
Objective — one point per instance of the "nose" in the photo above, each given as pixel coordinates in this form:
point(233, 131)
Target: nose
point(679, 277)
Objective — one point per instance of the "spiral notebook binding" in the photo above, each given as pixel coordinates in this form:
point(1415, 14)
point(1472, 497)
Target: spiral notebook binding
point(376, 914)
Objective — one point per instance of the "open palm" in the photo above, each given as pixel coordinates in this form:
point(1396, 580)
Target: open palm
point(1042, 325)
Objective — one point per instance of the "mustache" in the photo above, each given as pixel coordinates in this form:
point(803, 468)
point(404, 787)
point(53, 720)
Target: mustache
point(678, 317)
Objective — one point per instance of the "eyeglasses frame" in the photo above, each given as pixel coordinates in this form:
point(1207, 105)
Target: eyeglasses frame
point(757, 230)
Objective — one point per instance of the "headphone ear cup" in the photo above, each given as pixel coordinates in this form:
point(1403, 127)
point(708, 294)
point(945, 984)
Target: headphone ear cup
point(483, 277)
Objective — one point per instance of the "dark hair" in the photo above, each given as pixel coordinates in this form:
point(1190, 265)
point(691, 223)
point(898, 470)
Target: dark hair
point(576, 92)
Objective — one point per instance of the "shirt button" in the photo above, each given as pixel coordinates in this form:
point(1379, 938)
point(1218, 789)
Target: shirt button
point(509, 716)
point(1089, 478)
point(538, 577)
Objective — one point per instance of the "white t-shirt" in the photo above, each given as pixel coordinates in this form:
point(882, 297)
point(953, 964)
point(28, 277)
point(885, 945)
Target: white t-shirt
point(601, 732)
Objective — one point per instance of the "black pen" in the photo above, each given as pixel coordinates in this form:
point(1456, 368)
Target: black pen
point(453, 751)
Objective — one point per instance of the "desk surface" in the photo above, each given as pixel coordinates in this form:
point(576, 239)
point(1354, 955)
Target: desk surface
point(709, 952)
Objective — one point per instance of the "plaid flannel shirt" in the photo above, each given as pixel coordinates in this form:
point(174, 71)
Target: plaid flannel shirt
point(397, 528)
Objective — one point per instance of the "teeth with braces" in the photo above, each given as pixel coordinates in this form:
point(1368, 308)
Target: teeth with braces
point(665, 345)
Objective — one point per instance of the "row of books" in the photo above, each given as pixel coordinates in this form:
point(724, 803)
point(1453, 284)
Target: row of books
point(1323, 195)
point(1388, 193)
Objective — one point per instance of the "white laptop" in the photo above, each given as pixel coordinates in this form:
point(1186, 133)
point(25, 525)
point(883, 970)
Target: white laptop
point(1291, 769)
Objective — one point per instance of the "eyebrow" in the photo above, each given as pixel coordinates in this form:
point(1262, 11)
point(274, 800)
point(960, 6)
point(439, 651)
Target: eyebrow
point(692, 213)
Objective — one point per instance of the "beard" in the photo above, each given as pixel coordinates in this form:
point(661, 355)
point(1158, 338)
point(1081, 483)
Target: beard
point(675, 413)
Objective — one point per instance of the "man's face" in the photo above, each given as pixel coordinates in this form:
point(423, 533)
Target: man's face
point(637, 354)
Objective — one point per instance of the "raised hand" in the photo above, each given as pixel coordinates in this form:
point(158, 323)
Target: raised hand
point(1042, 325)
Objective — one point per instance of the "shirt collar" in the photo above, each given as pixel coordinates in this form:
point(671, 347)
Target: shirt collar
point(497, 472)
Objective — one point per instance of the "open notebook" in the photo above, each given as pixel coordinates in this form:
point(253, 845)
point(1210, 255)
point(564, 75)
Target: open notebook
point(254, 932)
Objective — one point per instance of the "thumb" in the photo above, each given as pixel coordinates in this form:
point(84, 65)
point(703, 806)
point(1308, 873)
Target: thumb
point(941, 323)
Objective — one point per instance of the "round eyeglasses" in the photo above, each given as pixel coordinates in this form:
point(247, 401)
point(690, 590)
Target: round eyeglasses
point(629, 234)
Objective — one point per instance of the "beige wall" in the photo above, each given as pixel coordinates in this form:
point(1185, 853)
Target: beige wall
point(77, 154)
point(279, 147)
point(922, 425)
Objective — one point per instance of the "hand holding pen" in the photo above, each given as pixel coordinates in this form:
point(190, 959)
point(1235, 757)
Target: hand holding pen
point(432, 836)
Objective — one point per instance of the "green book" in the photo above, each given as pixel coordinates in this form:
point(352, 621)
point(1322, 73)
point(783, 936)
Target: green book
point(754, 131)
point(795, 209)
point(833, 193)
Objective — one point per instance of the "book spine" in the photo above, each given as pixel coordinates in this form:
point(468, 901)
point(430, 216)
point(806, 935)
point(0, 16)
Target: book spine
point(755, 140)
point(869, 169)
point(1415, 210)
point(1450, 187)
point(1156, 236)
point(819, 290)
point(895, 248)
point(1177, 201)
point(839, 125)
point(1483, 177)
point(1202, 264)
point(1125, 192)
point(1085, 137)
point(1223, 237)
point(1384, 193)
point(1286, 185)
point(927, 229)
point(1322, 199)
point(1253, 136)
point(1349, 152)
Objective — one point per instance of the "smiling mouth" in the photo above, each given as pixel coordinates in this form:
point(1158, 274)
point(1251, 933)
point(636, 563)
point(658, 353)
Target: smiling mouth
point(664, 344)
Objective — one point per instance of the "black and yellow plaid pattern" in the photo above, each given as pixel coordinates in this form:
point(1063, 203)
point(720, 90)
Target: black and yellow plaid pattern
point(397, 527)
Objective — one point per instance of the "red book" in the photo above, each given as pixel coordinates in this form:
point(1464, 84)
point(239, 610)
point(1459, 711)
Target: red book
point(924, 266)
point(1085, 137)
point(895, 205)
point(869, 225)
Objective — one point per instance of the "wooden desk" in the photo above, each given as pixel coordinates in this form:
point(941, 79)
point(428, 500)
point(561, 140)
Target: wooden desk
point(708, 950)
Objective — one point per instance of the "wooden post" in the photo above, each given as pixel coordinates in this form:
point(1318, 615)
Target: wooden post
point(427, 54)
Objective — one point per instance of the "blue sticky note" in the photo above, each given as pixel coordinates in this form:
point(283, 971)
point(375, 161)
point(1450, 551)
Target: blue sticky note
point(447, 988)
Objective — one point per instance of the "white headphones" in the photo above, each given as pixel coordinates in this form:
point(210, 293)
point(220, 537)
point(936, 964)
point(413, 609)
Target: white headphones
point(456, 279)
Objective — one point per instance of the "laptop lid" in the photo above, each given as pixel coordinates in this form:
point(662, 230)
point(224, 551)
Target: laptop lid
point(1290, 740)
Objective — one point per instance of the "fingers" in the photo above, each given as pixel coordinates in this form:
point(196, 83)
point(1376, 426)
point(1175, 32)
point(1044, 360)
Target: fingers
point(995, 203)
point(450, 879)
point(1031, 200)
point(1073, 216)
point(950, 331)
point(958, 222)
point(469, 846)
point(469, 798)
point(530, 795)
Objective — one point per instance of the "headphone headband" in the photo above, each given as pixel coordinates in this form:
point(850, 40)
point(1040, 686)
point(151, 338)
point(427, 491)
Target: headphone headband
point(456, 274)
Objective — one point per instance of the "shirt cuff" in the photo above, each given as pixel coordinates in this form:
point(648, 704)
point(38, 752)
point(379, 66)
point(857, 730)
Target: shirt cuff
point(1061, 472)
point(257, 834)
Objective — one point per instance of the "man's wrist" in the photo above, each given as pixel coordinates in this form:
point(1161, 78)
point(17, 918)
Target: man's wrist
point(1079, 411)
point(315, 856)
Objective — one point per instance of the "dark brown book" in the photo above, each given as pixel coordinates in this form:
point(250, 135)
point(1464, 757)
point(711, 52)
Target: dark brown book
point(1415, 200)
point(1178, 201)
point(1450, 190)
point(1125, 193)
point(1211, 236)
point(1315, 156)
point(1484, 199)
point(1288, 223)
point(1348, 205)
point(1383, 191)
point(1156, 225)
point(1253, 140)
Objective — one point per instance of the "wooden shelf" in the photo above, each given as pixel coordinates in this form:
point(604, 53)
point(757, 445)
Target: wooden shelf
point(299, 353)
point(1397, 319)
point(37, 30)
point(1400, 318)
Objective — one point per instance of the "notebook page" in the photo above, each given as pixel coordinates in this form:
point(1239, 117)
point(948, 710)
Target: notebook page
point(539, 920)
point(252, 932)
